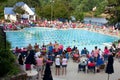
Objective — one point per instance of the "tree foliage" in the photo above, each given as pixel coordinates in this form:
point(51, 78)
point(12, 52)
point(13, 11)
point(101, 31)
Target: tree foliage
point(66, 8)
point(19, 10)
point(101, 7)
point(7, 59)
point(114, 11)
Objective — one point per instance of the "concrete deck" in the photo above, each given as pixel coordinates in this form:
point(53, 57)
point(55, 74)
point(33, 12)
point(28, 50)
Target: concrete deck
point(72, 73)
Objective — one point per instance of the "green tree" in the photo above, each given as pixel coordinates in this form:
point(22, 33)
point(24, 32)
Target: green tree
point(114, 11)
point(101, 7)
point(19, 11)
point(60, 10)
point(7, 59)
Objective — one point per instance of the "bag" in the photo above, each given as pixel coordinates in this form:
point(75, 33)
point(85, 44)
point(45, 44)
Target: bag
point(102, 66)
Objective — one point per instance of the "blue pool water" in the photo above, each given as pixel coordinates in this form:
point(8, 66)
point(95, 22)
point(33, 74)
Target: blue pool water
point(70, 37)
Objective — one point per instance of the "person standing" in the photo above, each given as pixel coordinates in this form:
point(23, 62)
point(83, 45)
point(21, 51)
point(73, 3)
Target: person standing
point(47, 73)
point(64, 65)
point(40, 65)
point(106, 53)
point(57, 64)
point(21, 61)
point(95, 53)
point(109, 67)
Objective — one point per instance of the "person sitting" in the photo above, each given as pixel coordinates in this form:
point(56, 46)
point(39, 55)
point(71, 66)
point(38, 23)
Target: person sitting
point(84, 51)
point(68, 49)
point(82, 64)
point(76, 57)
point(91, 66)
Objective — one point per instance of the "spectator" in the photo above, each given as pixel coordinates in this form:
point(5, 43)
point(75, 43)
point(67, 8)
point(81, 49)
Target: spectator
point(64, 65)
point(84, 51)
point(57, 64)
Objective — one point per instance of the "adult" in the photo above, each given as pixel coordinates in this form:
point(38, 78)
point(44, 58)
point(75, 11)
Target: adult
point(21, 61)
point(36, 47)
point(40, 64)
point(84, 51)
point(109, 67)
point(68, 49)
point(29, 47)
point(30, 59)
point(106, 53)
point(99, 62)
point(118, 49)
point(113, 49)
point(47, 73)
point(43, 50)
point(91, 65)
point(95, 53)
point(83, 62)
point(50, 48)
point(17, 51)
point(118, 46)
point(37, 54)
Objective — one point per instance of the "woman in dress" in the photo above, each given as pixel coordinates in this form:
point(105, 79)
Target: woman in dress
point(109, 68)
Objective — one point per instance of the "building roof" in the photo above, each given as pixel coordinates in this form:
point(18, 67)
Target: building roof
point(20, 4)
point(8, 10)
point(33, 9)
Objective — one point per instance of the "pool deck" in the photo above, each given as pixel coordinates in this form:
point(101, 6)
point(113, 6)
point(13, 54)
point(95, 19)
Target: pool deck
point(101, 31)
point(93, 30)
point(72, 73)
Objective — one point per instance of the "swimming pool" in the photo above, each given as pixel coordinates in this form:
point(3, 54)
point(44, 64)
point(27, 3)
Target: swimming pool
point(69, 37)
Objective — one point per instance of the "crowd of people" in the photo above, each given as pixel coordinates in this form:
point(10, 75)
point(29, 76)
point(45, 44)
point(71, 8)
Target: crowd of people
point(54, 54)
point(18, 25)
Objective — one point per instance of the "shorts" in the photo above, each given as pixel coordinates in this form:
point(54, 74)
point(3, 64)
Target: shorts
point(57, 66)
point(39, 68)
point(64, 65)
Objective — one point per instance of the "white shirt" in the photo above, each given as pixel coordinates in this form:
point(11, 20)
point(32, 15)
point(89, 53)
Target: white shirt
point(57, 61)
point(64, 61)
point(37, 54)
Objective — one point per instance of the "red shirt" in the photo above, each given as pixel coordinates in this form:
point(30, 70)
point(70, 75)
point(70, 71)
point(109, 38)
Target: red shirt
point(91, 64)
point(69, 49)
point(106, 51)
